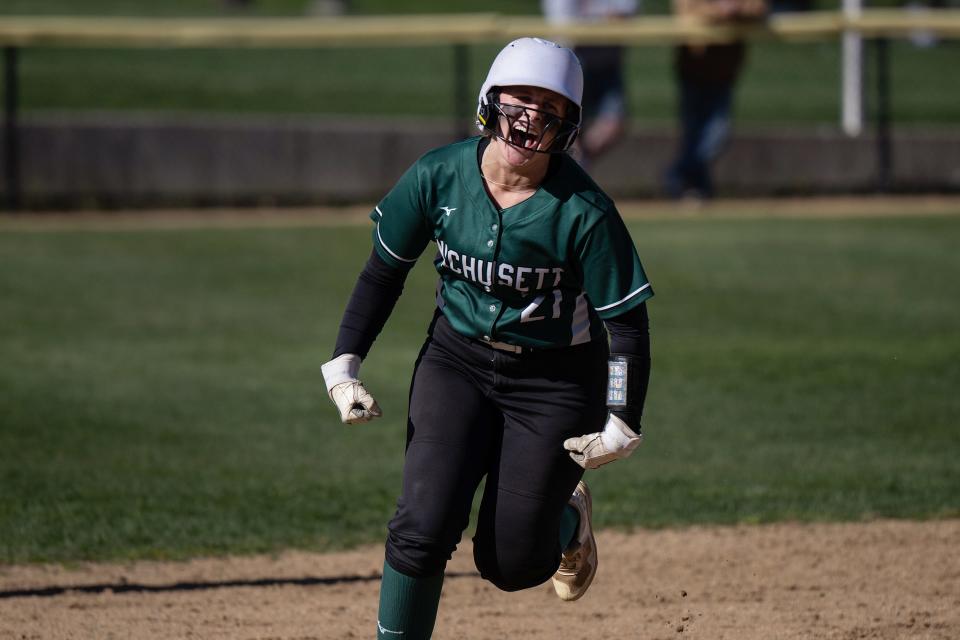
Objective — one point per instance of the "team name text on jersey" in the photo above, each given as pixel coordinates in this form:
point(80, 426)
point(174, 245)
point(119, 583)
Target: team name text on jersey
point(523, 279)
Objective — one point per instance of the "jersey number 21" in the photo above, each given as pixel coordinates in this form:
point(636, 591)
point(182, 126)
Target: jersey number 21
point(527, 314)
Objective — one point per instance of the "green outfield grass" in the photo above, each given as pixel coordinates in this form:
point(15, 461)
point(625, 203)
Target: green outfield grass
point(795, 83)
point(160, 393)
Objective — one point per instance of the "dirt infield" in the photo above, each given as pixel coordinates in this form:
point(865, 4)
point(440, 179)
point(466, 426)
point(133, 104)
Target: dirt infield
point(880, 580)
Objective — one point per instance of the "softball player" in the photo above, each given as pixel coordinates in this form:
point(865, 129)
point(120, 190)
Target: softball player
point(516, 381)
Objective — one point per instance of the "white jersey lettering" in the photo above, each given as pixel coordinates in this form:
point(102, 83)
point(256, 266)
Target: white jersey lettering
point(505, 274)
point(488, 280)
point(469, 265)
point(557, 272)
point(482, 271)
point(527, 314)
point(451, 256)
point(541, 273)
point(521, 272)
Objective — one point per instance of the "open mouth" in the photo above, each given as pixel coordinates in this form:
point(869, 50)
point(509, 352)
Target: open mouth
point(530, 129)
point(524, 138)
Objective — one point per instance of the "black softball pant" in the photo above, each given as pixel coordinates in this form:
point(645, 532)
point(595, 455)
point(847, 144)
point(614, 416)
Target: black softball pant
point(477, 412)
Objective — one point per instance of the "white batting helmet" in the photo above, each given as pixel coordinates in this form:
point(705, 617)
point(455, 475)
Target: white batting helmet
point(537, 63)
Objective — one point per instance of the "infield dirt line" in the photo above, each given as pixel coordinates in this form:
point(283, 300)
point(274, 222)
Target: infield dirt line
point(240, 218)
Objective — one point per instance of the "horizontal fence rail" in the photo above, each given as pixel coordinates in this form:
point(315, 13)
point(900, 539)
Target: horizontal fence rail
point(368, 31)
point(458, 31)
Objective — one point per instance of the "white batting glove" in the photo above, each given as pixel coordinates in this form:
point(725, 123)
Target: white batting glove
point(354, 402)
point(616, 441)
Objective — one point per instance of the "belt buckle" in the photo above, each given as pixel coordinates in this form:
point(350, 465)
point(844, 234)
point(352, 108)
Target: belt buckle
point(503, 346)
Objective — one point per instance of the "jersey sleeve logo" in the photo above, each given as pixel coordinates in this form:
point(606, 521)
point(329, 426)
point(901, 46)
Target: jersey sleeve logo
point(448, 210)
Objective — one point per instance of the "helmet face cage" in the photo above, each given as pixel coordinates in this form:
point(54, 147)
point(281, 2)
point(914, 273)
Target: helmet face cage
point(559, 132)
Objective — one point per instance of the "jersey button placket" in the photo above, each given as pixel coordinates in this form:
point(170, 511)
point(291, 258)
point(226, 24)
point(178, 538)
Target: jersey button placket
point(493, 246)
point(492, 324)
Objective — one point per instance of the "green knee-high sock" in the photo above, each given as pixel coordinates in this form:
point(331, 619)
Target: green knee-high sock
point(569, 521)
point(408, 606)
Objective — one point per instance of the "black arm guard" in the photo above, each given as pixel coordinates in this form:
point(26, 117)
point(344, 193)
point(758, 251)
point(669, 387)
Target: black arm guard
point(374, 296)
point(629, 364)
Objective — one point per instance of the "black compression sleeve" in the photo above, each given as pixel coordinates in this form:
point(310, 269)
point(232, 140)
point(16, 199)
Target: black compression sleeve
point(630, 336)
point(374, 296)
point(630, 332)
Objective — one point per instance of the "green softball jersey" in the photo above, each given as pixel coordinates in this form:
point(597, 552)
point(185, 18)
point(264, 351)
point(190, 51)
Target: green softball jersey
point(542, 273)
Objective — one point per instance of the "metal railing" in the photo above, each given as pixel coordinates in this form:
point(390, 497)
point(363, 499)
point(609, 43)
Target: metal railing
point(458, 30)
point(392, 31)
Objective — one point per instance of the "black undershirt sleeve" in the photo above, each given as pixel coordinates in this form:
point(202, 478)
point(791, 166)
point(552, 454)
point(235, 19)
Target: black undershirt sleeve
point(630, 336)
point(374, 296)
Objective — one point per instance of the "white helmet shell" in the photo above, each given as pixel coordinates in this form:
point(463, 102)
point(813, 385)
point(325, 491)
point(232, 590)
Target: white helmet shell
point(540, 63)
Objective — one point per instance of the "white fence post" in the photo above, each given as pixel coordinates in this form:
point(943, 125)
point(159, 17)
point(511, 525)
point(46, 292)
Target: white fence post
point(852, 107)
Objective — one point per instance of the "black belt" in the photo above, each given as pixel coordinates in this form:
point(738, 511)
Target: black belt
point(492, 344)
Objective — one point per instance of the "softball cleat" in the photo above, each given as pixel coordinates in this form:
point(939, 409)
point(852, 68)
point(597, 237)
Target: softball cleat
point(578, 563)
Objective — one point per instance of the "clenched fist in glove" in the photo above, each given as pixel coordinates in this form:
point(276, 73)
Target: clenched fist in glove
point(592, 450)
point(354, 402)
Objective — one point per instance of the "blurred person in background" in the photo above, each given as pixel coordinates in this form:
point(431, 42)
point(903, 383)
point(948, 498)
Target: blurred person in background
point(604, 96)
point(706, 76)
point(922, 38)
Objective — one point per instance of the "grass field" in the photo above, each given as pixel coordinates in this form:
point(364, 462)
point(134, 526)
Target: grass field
point(160, 393)
point(783, 83)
